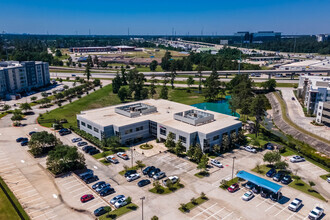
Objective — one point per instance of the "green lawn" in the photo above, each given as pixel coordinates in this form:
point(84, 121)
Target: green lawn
point(166, 190)
point(147, 69)
point(228, 183)
point(202, 174)
point(263, 169)
point(119, 212)
point(100, 98)
point(305, 188)
point(182, 96)
point(190, 205)
point(326, 176)
point(105, 162)
point(131, 168)
point(3, 114)
point(7, 210)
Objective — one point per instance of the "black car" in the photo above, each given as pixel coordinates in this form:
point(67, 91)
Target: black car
point(271, 172)
point(87, 172)
point(87, 176)
point(142, 183)
point(91, 179)
point(107, 191)
point(64, 131)
point(94, 151)
point(98, 184)
point(153, 172)
point(24, 143)
point(129, 172)
point(81, 143)
point(286, 180)
point(269, 146)
point(278, 176)
point(86, 148)
point(20, 139)
point(275, 196)
point(100, 211)
point(256, 189)
point(147, 169)
point(32, 132)
point(264, 193)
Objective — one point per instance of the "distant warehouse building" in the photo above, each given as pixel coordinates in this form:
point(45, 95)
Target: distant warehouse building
point(17, 77)
point(103, 49)
point(137, 121)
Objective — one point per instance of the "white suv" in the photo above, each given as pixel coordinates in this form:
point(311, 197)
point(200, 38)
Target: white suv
point(250, 149)
point(296, 159)
point(295, 204)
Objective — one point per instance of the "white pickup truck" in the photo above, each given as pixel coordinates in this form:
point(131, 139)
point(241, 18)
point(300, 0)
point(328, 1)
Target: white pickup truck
point(316, 213)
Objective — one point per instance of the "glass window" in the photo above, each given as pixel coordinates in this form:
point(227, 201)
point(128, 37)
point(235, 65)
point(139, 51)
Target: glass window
point(216, 137)
point(163, 131)
point(89, 126)
point(182, 139)
point(83, 123)
point(96, 130)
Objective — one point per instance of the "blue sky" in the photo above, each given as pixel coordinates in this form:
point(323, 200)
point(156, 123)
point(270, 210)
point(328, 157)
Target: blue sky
point(159, 17)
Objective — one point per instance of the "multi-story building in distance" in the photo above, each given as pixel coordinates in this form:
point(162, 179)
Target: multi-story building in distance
point(17, 77)
point(137, 121)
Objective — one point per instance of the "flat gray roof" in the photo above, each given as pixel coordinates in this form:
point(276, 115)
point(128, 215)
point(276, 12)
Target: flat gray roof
point(164, 115)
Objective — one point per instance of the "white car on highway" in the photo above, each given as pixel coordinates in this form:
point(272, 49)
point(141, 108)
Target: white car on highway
point(132, 177)
point(296, 159)
point(247, 196)
point(250, 149)
point(216, 163)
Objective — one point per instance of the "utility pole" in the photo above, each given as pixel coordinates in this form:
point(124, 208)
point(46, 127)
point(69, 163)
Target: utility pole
point(232, 171)
point(131, 156)
point(142, 198)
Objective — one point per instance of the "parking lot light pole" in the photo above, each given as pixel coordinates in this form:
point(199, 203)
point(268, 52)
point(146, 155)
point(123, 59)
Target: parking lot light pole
point(142, 198)
point(232, 172)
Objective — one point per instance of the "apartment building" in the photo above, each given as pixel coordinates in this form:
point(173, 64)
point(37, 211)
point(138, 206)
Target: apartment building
point(16, 77)
point(323, 113)
point(137, 121)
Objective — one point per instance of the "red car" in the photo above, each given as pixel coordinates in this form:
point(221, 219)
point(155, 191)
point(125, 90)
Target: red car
point(86, 198)
point(233, 188)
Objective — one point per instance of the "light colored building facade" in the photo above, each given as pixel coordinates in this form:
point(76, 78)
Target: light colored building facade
point(137, 121)
point(16, 77)
point(314, 89)
point(323, 113)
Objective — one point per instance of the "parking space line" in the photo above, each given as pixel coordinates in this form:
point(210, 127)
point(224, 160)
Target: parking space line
point(26, 192)
point(77, 189)
point(52, 217)
point(69, 182)
point(33, 200)
point(30, 196)
point(38, 216)
point(17, 185)
point(81, 194)
point(270, 207)
point(90, 201)
point(281, 210)
point(207, 212)
point(228, 215)
point(203, 211)
point(38, 204)
point(97, 204)
point(261, 203)
point(291, 215)
point(73, 186)
point(8, 169)
point(11, 174)
point(22, 188)
point(215, 213)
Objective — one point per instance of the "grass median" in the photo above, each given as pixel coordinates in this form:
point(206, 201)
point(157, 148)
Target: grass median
point(119, 212)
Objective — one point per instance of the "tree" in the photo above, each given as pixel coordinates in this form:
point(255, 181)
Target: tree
point(97, 82)
point(17, 118)
point(225, 143)
point(245, 109)
point(69, 61)
point(157, 186)
point(6, 107)
point(191, 151)
point(173, 73)
point(153, 65)
point(216, 148)
point(166, 61)
point(33, 98)
point(45, 101)
point(96, 60)
point(199, 70)
point(122, 93)
point(272, 157)
point(179, 148)
point(258, 108)
point(311, 184)
point(164, 92)
point(65, 87)
point(44, 94)
point(152, 89)
point(116, 84)
point(154, 218)
point(59, 96)
point(170, 141)
point(25, 107)
point(87, 71)
point(203, 196)
point(123, 77)
point(234, 104)
point(190, 81)
point(139, 163)
point(198, 154)
point(41, 140)
point(212, 86)
point(58, 53)
point(234, 139)
point(203, 162)
point(269, 85)
point(281, 165)
point(183, 206)
point(65, 158)
point(79, 64)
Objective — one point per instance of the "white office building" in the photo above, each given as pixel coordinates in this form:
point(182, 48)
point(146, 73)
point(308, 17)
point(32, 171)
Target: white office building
point(137, 121)
point(17, 77)
point(323, 113)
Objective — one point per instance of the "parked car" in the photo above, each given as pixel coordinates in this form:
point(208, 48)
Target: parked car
point(112, 159)
point(296, 159)
point(64, 131)
point(96, 185)
point(247, 196)
point(122, 155)
point(159, 175)
point(116, 198)
point(295, 205)
point(271, 172)
point(249, 185)
point(265, 193)
point(147, 169)
point(275, 196)
point(129, 172)
point(278, 176)
point(173, 179)
point(91, 179)
point(144, 182)
point(107, 191)
point(20, 139)
point(293, 98)
point(74, 140)
point(286, 179)
point(120, 203)
point(216, 163)
point(269, 146)
point(153, 172)
point(100, 211)
point(24, 143)
point(81, 143)
point(316, 213)
point(132, 177)
point(250, 149)
point(87, 148)
point(86, 198)
point(328, 180)
point(101, 187)
point(32, 132)
point(93, 151)
point(87, 172)
point(256, 189)
point(233, 188)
